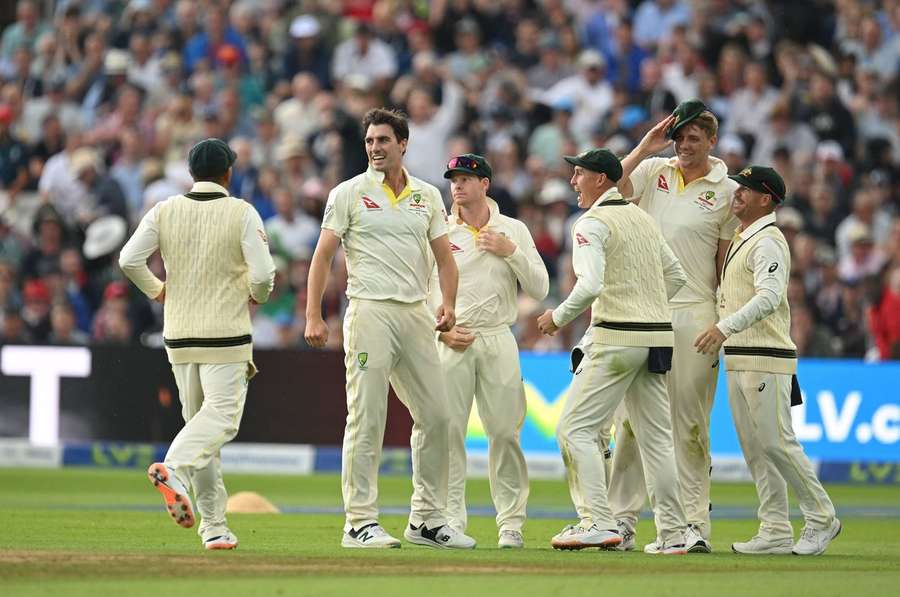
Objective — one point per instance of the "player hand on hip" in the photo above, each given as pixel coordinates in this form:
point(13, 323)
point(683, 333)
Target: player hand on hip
point(445, 318)
point(709, 341)
point(459, 339)
point(316, 332)
point(655, 140)
point(545, 323)
point(161, 297)
point(496, 243)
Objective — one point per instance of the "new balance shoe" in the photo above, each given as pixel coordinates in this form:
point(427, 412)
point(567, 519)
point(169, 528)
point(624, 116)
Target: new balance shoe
point(511, 540)
point(758, 545)
point(371, 535)
point(175, 495)
point(627, 534)
point(226, 540)
point(695, 542)
point(576, 536)
point(441, 537)
point(814, 542)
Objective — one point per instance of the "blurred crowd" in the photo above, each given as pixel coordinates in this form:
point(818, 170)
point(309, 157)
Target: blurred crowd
point(100, 101)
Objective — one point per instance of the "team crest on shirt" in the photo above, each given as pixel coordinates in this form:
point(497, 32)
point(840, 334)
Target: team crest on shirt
point(416, 202)
point(363, 358)
point(579, 238)
point(369, 203)
point(661, 184)
point(706, 200)
point(454, 248)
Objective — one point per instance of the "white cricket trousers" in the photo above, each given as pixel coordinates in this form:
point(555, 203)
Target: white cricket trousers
point(488, 371)
point(761, 409)
point(212, 402)
point(387, 342)
point(691, 386)
point(607, 376)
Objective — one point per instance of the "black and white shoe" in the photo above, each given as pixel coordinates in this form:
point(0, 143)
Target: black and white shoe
point(695, 542)
point(371, 535)
point(442, 537)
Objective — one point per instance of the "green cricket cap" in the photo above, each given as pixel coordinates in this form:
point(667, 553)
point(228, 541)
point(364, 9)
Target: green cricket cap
point(762, 179)
point(469, 163)
point(210, 158)
point(598, 160)
point(685, 113)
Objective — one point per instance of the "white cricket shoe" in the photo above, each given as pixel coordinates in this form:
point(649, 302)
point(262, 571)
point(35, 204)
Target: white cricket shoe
point(226, 540)
point(814, 542)
point(653, 548)
point(760, 545)
point(627, 533)
point(371, 536)
point(511, 540)
point(695, 542)
point(442, 537)
point(174, 493)
point(575, 536)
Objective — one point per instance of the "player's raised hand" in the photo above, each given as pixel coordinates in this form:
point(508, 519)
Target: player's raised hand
point(656, 140)
point(316, 332)
point(459, 339)
point(445, 318)
point(496, 243)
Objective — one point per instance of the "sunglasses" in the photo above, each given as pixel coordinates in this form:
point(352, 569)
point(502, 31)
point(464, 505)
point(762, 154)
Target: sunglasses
point(462, 162)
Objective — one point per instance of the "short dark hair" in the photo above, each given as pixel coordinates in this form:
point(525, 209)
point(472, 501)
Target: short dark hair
point(395, 118)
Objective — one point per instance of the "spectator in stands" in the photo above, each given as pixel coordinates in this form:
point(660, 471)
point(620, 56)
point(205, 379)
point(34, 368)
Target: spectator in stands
point(104, 196)
point(62, 326)
point(884, 316)
point(13, 157)
point(364, 54)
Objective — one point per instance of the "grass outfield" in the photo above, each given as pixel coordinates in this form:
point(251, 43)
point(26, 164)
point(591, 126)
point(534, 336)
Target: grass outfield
point(90, 532)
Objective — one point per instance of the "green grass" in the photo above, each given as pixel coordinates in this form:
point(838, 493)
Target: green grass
point(90, 532)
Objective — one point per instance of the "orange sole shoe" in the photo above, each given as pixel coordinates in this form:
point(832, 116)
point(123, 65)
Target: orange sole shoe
point(178, 503)
point(223, 542)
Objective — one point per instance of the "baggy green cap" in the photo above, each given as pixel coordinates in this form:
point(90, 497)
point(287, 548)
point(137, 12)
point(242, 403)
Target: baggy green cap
point(685, 113)
point(598, 160)
point(762, 179)
point(210, 158)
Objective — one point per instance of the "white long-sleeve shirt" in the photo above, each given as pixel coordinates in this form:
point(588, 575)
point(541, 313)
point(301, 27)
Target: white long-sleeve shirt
point(768, 260)
point(145, 241)
point(589, 263)
point(488, 283)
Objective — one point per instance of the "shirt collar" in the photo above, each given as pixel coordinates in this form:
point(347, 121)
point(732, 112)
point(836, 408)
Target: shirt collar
point(612, 194)
point(204, 186)
point(757, 226)
point(492, 206)
point(378, 177)
point(715, 175)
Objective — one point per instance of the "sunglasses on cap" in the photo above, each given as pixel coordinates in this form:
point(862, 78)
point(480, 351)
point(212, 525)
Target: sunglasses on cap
point(462, 162)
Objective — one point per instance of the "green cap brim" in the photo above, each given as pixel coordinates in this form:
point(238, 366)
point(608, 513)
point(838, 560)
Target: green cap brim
point(756, 186)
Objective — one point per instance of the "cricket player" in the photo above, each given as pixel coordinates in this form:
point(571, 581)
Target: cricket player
point(390, 224)
point(688, 196)
point(761, 360)
point(626, 273)
point(480, 357)
point(217, 260)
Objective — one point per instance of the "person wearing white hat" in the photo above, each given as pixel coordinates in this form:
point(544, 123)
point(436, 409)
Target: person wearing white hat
point(588, 90)
point(217, 261)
